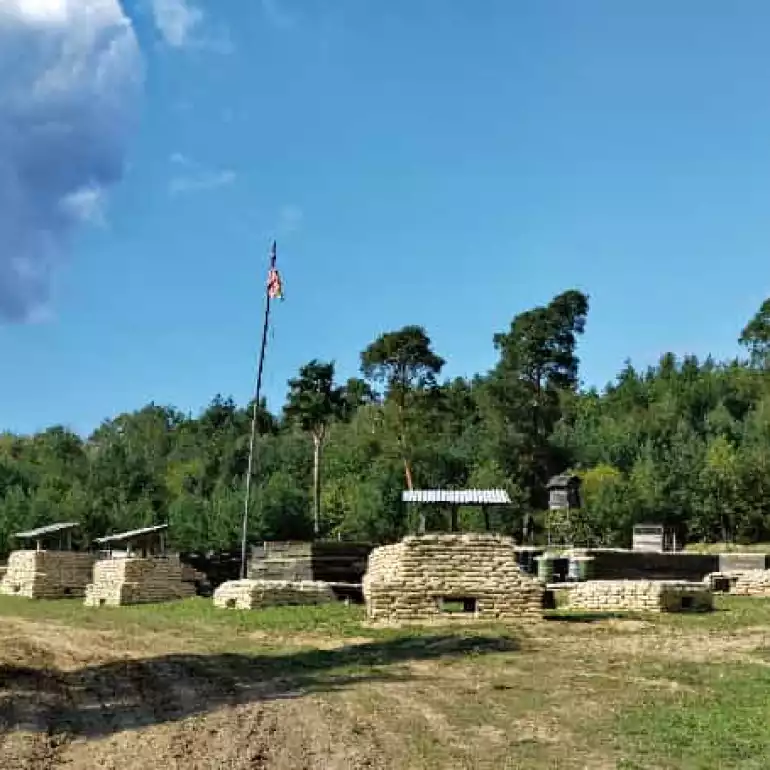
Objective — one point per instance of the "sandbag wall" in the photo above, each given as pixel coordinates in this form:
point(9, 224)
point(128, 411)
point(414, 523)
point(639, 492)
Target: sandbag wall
point(748, 583)
point(640, 596)
point(47, 574)
point(422, 576)
point(130, 580)
point(252, 594)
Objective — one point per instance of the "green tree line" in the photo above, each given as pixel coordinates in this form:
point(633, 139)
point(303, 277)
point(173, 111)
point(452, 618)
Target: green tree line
point(685, 443)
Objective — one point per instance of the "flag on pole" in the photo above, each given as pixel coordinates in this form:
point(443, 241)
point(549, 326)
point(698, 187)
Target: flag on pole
point(274, 283)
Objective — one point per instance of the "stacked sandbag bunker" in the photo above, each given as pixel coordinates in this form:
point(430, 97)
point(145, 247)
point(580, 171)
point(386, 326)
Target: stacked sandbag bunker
point(50, 570)
point(135, 569)
point(251, 594)
point(438, 576)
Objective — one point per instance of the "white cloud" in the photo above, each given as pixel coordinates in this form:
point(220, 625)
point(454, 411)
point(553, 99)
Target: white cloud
point(70, 79)
point(193, 177)
point(86, 204)
point(176, 20)
point(180, 23)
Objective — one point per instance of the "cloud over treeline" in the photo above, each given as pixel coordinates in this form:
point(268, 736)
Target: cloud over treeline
point(70, 81)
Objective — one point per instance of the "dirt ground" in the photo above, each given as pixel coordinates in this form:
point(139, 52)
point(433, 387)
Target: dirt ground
point(84, 698)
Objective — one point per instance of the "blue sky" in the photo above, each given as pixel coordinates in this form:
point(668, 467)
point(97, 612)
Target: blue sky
point(438, 162)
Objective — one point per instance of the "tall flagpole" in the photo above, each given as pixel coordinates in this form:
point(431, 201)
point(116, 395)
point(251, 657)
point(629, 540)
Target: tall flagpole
point(254, 416)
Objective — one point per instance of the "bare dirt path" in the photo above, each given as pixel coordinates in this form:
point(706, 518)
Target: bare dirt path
point(127, 699)
point(96, 699)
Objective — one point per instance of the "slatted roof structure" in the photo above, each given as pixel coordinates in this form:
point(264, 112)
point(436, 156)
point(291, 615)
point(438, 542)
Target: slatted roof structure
point(62, 529)
point(147, 540)
point(50, 529)
point(455, 498)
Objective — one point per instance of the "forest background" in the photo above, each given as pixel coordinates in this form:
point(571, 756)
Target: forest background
point(685, 443)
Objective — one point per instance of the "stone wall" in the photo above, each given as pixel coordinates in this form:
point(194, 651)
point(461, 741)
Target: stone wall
point(741, 583)
point(640, 596)
point(137, 581)
point(252, 594)
point(47, 574)
point(443, 576)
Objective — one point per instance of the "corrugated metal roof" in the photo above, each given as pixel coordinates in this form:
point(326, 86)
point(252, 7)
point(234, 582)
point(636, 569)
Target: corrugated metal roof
point(120, 536)
point(457, 496)
point(50, 529)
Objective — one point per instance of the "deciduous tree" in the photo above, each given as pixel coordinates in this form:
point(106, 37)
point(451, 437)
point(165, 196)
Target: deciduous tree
point(313, 402)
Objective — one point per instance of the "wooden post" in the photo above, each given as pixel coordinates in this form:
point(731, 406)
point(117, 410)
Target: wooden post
point(453, 525)
point(485, 511)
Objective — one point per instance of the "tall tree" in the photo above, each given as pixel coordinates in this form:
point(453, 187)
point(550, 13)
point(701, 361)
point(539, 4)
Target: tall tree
point(538, 365)
point(313, 402)
point(355, 394)
point(755, 336)
point(404, 365)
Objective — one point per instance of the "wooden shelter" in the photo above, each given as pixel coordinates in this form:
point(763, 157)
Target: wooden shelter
point(53, 537)
point(142, 543)
point(454, 499)
point(50, 570)
point(140, 572)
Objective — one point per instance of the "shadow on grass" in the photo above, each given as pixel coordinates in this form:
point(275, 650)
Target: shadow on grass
point(587, 617)
point(103, 699)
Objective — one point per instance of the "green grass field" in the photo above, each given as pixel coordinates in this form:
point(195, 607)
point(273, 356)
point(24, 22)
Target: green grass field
point(727, 548)
point(575, 691)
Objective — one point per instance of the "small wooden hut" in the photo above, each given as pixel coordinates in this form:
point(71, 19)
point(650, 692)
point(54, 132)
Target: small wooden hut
point(563, 492)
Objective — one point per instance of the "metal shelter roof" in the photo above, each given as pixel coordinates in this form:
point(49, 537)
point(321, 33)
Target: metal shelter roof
point(562, 480)
point(130, 535)
point(457, 496)
point(50, 529)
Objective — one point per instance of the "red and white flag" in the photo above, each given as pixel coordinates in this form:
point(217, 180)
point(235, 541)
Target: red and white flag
point(274, 284)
